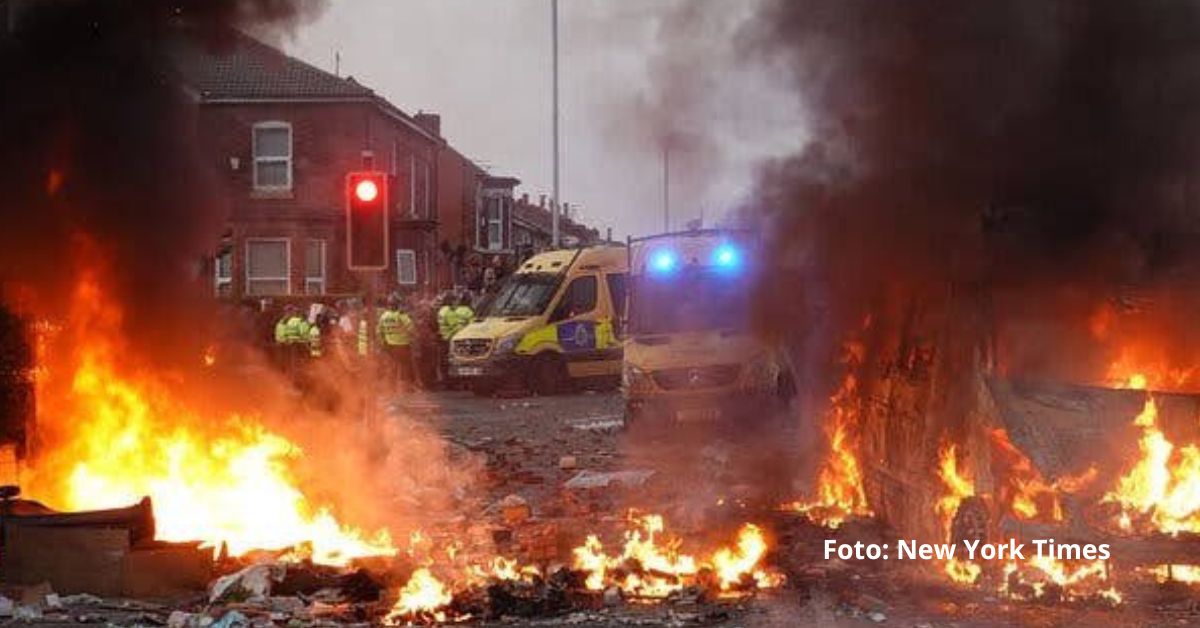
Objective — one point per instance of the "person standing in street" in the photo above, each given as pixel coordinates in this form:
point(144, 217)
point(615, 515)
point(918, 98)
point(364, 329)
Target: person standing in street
point(291, 338)
point(395, 330)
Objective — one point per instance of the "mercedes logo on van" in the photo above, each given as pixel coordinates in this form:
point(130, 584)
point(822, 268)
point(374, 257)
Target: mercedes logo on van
point(694, 377)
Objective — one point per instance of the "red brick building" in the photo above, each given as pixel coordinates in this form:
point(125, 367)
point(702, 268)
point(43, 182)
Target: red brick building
point(282, 135)
point(533, 229)
point(475, 218)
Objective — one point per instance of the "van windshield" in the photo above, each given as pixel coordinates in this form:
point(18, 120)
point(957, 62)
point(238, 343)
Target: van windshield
point(692, 300)
point(524, 294)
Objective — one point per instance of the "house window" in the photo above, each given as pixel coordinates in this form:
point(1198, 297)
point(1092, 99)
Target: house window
point(495, 223)
point(268, 266)
point(418, 188)
point(314, 267)
point(223, 272)
point(406, 267)
point(272, 146)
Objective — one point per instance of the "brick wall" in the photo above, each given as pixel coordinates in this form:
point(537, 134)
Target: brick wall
point(458, 197)
point(328, 141)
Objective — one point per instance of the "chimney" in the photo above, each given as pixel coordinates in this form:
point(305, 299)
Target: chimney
point(566, 210)
point(608, 237)
point(542, 201)
point(431, 122)
point(525, 199)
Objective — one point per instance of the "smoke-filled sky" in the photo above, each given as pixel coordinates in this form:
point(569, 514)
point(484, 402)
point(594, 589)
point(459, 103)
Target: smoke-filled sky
point(634, 74)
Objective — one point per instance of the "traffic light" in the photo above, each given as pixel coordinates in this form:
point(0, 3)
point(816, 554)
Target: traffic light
point(366, 221)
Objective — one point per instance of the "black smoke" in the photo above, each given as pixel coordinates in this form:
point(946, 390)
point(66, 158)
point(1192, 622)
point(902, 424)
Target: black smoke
point(97, 143)
point(1021, 146)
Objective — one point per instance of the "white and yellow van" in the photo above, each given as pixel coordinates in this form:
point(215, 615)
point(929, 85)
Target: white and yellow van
point(691, 354)
point(554, 322)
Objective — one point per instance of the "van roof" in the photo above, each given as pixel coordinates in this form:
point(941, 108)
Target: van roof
point(605, 257)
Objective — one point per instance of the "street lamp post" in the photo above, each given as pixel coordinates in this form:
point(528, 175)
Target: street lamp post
point(554, 236)
point(666, 161)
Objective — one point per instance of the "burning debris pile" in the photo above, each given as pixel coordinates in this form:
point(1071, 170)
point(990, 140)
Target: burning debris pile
point(651, 566)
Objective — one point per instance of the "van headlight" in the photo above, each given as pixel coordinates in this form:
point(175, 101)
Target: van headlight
point(507, 344)
point(634, 379)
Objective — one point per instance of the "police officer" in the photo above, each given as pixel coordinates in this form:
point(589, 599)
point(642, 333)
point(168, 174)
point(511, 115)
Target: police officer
point(395, 330)
point(291, 335)
point(313, 337)
point(463, 314)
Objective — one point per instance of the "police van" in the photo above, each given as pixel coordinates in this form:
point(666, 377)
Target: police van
point(691, 353)
point(552, 324)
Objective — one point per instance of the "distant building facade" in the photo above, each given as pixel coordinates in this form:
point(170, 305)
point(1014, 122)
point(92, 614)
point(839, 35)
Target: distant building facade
point(281, 136)
point(533, 229)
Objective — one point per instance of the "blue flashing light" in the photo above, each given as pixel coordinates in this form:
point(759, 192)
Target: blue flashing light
point(726, 256)
point(663, 261)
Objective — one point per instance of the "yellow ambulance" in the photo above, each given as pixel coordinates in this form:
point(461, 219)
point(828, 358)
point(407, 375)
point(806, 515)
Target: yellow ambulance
point(691, 354)
point(552, 324)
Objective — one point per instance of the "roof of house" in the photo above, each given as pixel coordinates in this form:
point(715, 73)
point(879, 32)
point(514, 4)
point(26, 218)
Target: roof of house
point(539, 218)
point(244, 69)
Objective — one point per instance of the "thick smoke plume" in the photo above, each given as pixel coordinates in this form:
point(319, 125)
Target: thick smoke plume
point(98, 140)
point(1028, 146)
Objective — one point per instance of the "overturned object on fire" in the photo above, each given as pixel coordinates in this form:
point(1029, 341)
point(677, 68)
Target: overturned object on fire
point(1090, 464)
point(1029, 458)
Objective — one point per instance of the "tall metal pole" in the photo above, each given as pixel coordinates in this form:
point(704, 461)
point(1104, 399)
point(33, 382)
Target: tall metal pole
point(666, 188)
point(554, 54)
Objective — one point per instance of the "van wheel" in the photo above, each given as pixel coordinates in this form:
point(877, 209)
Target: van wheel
point(548, 376)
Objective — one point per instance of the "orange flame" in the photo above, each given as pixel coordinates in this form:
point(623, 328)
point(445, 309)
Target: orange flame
point(424, 596)
point(1028, 495)
point(1161, 490)
point(840, 492)
point(121, 435)
point(661, 569)
point(1075, 580)
point(958, 488)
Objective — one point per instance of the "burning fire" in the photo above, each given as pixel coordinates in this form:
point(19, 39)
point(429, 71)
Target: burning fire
point(1187, 574)
point(1161, 490)
point(1038, 576)
point(840, 492)
point(115, 435)
point(424, 596)
point(649, 567)
point(1030, 579)
point(958, 487)
point(1139, 368)
point(1027, 494)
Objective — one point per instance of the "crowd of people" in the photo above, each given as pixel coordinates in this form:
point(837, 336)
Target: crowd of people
point(407, 338)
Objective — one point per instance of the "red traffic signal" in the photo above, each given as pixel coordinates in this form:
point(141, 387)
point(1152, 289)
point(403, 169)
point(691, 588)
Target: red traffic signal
point(366, 221)
point(366, 190)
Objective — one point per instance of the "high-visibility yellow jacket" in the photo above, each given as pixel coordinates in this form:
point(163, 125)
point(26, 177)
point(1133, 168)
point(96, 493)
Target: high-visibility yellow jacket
point(445, 320)
point(291, 330)
point(452, 319)
point(314, 341)
point(394, 328)
point(463, 315)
